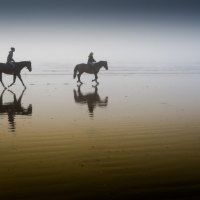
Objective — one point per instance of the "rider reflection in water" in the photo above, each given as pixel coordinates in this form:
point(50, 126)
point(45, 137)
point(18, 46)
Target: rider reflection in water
point(10, 59)
point(14, 108)
point(92, 99)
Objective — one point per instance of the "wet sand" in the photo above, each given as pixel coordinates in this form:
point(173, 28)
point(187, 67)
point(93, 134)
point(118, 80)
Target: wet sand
point(131, 137)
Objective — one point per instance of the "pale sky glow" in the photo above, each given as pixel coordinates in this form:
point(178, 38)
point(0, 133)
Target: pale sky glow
point(61, 36)
point(116, 45)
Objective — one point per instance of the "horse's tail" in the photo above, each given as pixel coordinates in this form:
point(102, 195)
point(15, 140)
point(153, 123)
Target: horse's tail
point(75, 71)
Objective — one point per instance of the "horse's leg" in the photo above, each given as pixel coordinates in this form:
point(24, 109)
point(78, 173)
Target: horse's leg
point(79, 78)
point(78, 75)
point(14, 79)
point(20, 98)
point(14, 96)
point(20, 78)
point(1, 80)
point(96, 77)
point(1, 97)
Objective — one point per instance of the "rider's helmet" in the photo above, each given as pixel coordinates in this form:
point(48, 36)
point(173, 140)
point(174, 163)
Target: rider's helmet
point(91, 54)
point(12, 49)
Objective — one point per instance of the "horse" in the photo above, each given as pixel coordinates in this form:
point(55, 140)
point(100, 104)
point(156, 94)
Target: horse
point(8, 69)
point(81, 68)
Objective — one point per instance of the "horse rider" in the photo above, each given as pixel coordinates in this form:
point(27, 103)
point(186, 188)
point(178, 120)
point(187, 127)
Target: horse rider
point(10, 59)
point(91, 60)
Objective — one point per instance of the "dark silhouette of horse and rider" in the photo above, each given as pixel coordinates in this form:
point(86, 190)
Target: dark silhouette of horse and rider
point(14, 108)
point(13, 68)
point(92, 67)
point(92, 99)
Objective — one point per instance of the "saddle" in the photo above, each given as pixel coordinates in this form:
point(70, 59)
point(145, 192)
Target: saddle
point(10, 65)
point(91, 65)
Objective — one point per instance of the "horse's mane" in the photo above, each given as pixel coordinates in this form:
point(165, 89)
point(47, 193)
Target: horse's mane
point(101, 61)
point(19, 62)
point(25, 61)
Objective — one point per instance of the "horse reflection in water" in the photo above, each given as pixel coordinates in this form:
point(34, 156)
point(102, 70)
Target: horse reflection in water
point(92, 99)
point(14, 108)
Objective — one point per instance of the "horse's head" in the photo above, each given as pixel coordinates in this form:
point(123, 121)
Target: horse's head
point(28, 65)
point(105, 64)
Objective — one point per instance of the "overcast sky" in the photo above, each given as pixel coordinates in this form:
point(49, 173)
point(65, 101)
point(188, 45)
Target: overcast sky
point(127, 30)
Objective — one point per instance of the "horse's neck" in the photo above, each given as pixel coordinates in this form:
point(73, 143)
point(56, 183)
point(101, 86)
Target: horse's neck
point(98, 66)
point(20, 65)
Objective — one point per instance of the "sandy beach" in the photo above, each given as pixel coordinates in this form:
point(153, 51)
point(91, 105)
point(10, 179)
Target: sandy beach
point(133, 136)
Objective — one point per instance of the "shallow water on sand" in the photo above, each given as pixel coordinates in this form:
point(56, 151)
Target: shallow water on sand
point(131, 137)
